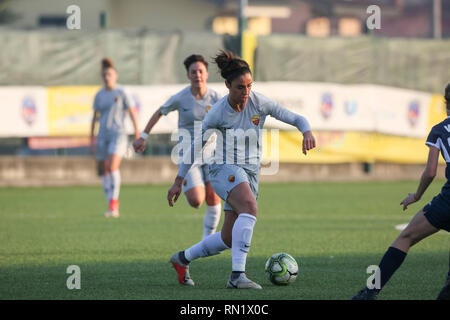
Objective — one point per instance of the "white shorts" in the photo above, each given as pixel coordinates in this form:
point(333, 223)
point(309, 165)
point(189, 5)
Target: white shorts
point(117, 145)
point(197, 176)
point(225, 177)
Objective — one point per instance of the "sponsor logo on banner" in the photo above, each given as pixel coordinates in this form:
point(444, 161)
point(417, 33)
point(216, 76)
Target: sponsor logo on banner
point(351, 107)
point(29, 110)
point(255, 119)
point(326, 107)
point(413, 112)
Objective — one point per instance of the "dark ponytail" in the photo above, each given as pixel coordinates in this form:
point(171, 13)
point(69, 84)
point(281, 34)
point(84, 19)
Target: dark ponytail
point(231, 66)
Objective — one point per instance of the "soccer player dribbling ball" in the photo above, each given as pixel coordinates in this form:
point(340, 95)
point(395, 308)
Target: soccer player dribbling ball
point(111, 106)
point(192, 104)
point(429, 220)
point(236, 182)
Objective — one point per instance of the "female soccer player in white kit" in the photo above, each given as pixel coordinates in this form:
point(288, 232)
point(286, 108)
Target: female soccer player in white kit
point(111, 105)
point(234, 174)
point(192, 104)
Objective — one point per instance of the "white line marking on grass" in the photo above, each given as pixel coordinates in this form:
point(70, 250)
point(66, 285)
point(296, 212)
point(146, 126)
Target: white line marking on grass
point(404, 225)
point(401, 226)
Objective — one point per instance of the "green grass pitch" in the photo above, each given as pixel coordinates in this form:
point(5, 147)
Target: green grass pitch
point(333, 230)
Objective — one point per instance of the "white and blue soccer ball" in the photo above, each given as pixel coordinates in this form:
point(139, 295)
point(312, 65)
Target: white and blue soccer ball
point(282, 269)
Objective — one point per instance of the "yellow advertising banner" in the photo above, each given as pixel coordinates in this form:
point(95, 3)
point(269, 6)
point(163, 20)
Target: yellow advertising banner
point(347, 146)
point(70, 113)
point(70, 110)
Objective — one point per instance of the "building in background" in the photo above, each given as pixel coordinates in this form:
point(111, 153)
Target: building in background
point(399, 18)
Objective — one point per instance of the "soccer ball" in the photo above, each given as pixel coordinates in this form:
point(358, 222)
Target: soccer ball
point(282, 269)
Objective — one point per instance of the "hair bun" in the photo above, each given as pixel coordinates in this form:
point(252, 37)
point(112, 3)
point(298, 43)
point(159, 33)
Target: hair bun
point(230, 65)
point(223, 59)
point(107, 63)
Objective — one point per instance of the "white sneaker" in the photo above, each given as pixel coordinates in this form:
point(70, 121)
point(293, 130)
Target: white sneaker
point(182, 270)
point(242, 282)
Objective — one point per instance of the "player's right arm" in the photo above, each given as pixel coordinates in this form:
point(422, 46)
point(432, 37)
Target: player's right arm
point(139, 143)
point(170, 105)
point(92, 141)
point(211, 121)
point(430, 170)
point(93, 122)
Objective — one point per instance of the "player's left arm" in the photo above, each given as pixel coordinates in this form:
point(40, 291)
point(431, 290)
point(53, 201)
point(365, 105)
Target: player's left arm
point(129, 107)
point(296, 120)
point(427, 177)
point(134, 120)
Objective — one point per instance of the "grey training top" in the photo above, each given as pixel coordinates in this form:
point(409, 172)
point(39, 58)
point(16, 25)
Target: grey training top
point(243, 145)
point(189, 108)
point(112, 106)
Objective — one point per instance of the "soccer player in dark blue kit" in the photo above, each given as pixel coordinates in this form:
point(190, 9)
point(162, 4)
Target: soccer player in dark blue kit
point(429, 220)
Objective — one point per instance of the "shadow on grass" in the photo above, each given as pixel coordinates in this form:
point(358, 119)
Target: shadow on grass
point(320, 278)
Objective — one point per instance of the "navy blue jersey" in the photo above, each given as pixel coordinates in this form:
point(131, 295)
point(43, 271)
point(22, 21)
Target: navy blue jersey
point(439, 137)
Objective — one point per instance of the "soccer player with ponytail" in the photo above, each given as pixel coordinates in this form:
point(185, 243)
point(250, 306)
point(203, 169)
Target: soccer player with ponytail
point(234, 174)
point(111, 106)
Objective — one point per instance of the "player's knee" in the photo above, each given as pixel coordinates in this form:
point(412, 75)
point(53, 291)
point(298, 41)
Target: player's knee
point(195, 202)
point(409, 235)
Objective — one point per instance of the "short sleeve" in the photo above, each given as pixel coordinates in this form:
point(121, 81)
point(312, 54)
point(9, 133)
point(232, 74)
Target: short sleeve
point(433, 138)
point(169, 106)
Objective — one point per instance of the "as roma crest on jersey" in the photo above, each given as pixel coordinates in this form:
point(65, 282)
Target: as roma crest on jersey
point(231, 178)
point(255, 119)
point(207, 108)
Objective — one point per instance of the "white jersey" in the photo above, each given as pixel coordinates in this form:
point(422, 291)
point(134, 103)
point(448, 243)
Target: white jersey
point(112, 106)
point(244, 128)
point(190, 109)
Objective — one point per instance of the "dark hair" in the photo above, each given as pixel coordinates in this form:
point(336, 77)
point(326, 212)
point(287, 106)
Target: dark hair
point(194, 58)
point(447, 95)
point(107, 63)
point(231, 66)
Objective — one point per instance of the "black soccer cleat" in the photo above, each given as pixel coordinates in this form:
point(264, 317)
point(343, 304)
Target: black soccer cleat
point(445, 292)
point(366, 294)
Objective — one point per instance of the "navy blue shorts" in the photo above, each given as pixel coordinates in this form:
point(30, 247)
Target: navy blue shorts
point(437, 212)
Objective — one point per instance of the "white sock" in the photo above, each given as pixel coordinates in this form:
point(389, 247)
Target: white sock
point(211, 219)
point(241, 239)
point(107, 189)
point(115, 181)
point(210, 246)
